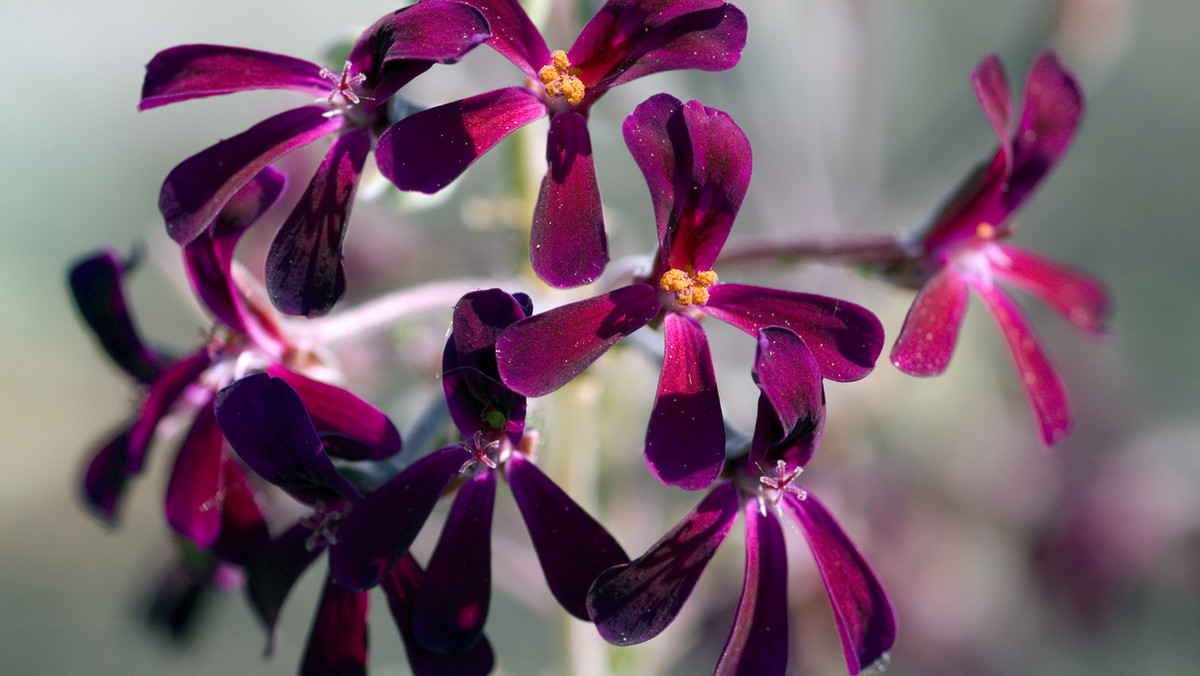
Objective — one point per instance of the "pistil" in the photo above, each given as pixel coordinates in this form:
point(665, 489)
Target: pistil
point(343, 85)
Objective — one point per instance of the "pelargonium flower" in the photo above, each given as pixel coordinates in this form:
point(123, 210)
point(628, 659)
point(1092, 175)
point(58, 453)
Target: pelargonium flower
point(271, 430)
point(963, 246)
point(451, 604)
point(209, 497)
point(697, 163)
point(634, 602)
point(304, 268)
point(625, 40)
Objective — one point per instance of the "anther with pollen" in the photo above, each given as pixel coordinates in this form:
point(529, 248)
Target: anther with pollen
point(561, 80)
point(689, 289)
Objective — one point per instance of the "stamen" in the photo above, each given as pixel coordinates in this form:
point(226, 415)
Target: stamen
point(985, 231)
point(561, 80)
point(480, 450)
point(690, 288)
point(782, 482)
point(343, 84)
point(324, 525)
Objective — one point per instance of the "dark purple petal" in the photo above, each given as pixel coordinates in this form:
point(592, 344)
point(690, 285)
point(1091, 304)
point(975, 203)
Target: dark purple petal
point(790, 379)
point(685, 441)
point(200, 186)
point(337, 643)
point(635, 602)
point(428, 150)
point(567, 245)
point(338, 411)
point(514, 35)
point(758, 642)
point(452, 602)
point(268, 427)
point(96, 285)
point(273, 572)
point(374, 537)
point(991, 88)
point(243, 528)
point(1077, 297)
point(572, 547)
point(193, 71)
point(401, 586)
point(304, 272)
point(106, 477)
point(196, 488)
point(544, 352)
point(477, 399)
point(160, 399)
point(926, 341)
point(845, 338)
point(1043, 388)
point(861, 608)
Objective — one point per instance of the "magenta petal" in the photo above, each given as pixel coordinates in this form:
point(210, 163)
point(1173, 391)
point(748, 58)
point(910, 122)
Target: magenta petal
point(401, 586)
point(304, 272)
point(243, 528)
point(193, 71)
point(1077, 297)
point(199, 187)
point(478, 401)
point(106, 477)
point(991, 88)
point(685, 441)
point(337, 643)
point(635, 602)
point(845, 338)
point(1043, 388)
point(930, 330)
point(1051, 112)
point(160, 398)
point(861, 608)
point(428, 150)
point(196, 488)
point(514, 35)
point(452, 602)
point(567, 245)
point(538, 355)
point(274, 570)
point(338, 411)
point(572, 547)
point(758, 643)
point(790, 379)
point(374, 537)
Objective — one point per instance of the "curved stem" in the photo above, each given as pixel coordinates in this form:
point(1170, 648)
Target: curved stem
point(854, 249)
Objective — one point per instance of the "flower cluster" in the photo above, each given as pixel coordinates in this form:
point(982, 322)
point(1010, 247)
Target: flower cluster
point(283, 462)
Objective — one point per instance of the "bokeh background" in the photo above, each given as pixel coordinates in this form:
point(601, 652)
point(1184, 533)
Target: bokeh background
point(1001, 558)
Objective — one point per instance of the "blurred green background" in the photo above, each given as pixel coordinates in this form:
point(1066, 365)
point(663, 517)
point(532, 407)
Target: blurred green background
point(862, 117)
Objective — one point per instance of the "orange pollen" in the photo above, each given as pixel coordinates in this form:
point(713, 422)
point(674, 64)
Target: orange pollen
point(561, 79)
point(690, 288)
point(985, 231)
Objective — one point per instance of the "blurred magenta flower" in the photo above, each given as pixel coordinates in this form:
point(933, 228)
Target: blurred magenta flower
point(962, 246)
point(304, 269)
point(625, 40)
point(697, 163)
point(634, 602)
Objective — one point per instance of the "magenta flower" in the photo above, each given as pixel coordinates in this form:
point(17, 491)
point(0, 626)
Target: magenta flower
point(697, 163)
point(625, 40)
point(451, 604)
point(304, 268)
point(634, 602)
point(962, 247)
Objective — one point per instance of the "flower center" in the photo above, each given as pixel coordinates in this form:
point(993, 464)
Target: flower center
point(561, 80)
point(324, 523)
point(342, 93)
point(782, 482)
point(480, 450)
point(689, 287)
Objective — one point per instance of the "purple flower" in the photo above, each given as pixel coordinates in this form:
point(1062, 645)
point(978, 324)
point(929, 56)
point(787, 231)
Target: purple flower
point(962, 247)
point(451, 604)
point(304, 266)
point(626, 39)
point(634, 602)
point(697, 163)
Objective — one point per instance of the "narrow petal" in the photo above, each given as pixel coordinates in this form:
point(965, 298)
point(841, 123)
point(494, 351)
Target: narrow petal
point(268, 427)
point(538, 355)
point(635, 602)
point(196, 489)
point(452, 602)
point(1043, 388)
point(337, 643)
point(243, 528)
point(930, 330)
point(567, 245)
point(991, 88)
point(861, 608)
point(788, 375)
point(1079, 298)
point(758, 643)
point(428, 150)
point(199, 187)
point(273, 572)
point(685, 442)
point(338, 411)
point(378, 533)
point(401, 586)
point(194, 71)
point(514, 35)
point(160, 399)
point(106, 477)
point(845, 338)
point(572, 547)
